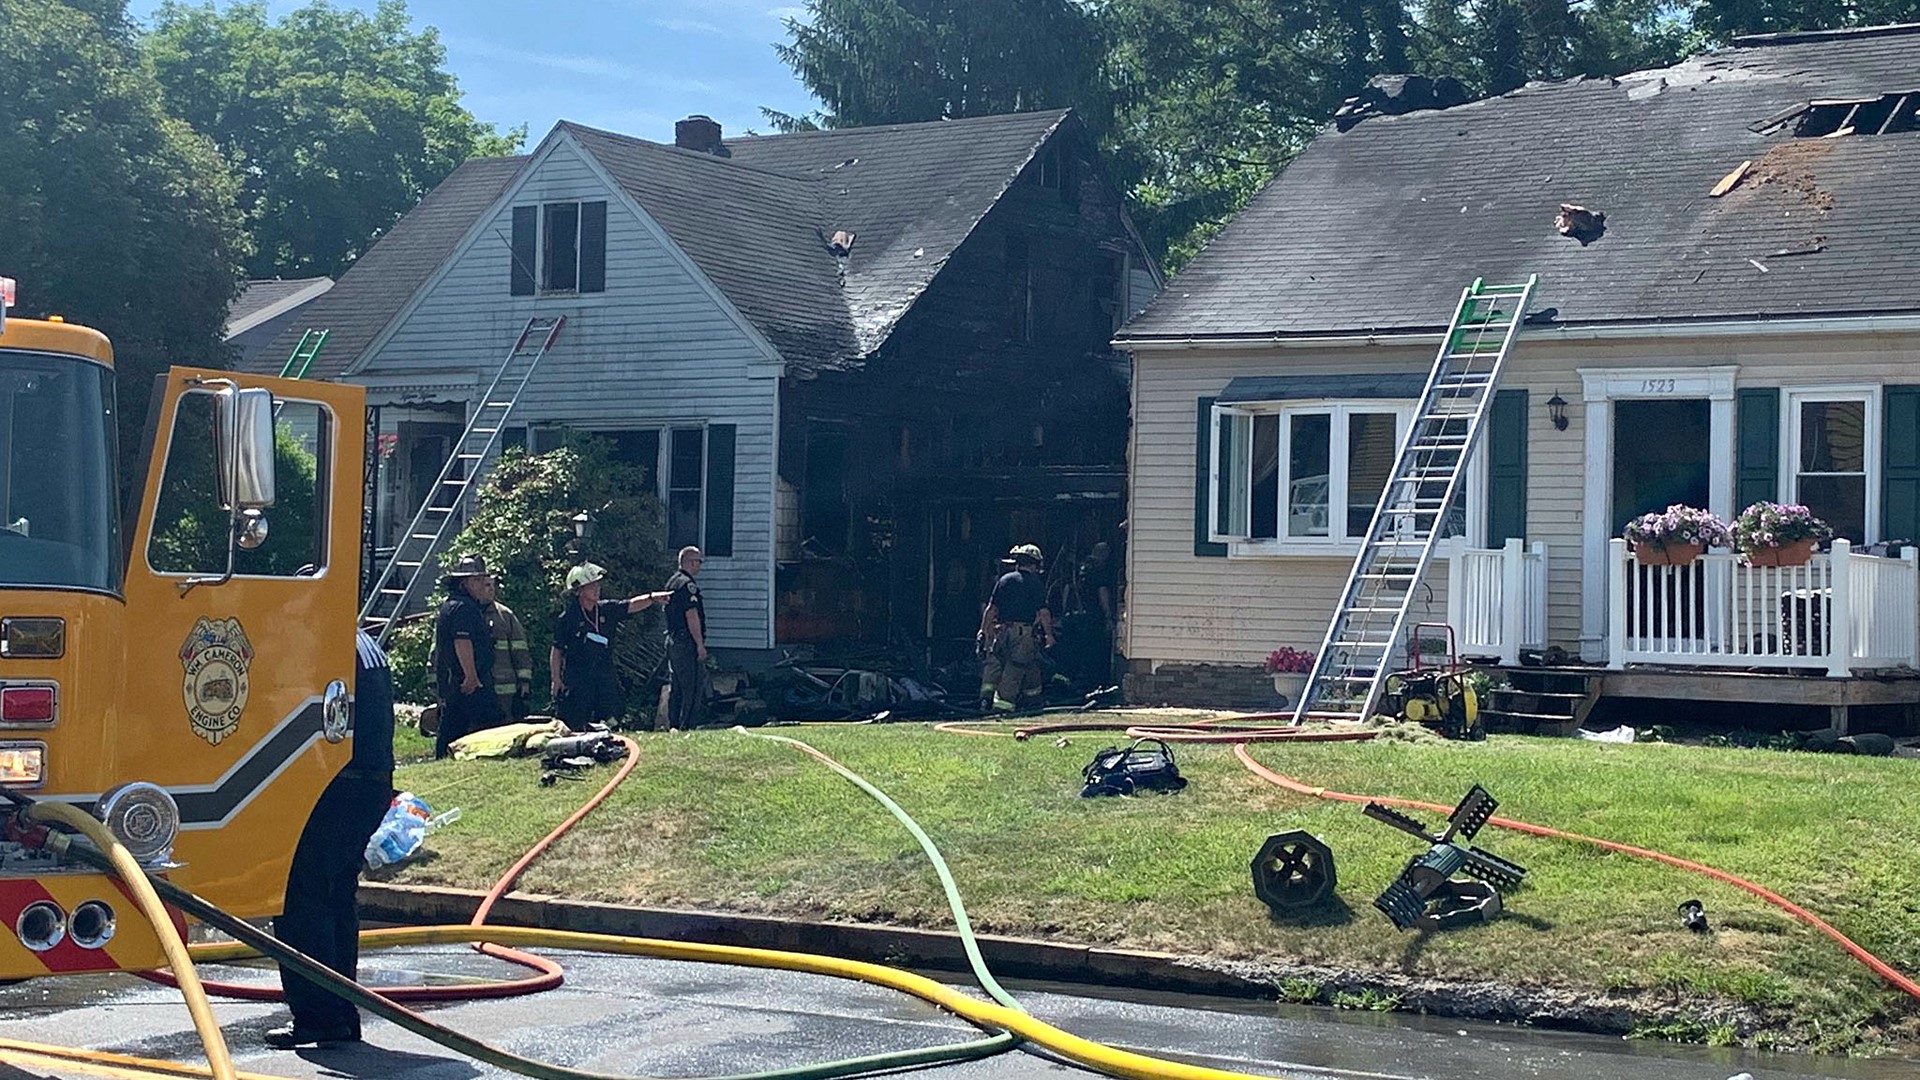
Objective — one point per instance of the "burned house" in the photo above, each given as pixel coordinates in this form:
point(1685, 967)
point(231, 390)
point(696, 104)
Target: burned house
point(858, 364)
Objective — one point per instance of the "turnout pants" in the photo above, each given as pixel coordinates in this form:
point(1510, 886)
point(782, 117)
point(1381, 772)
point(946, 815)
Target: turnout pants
point(687, 690)
point(319, 917)
point(1020, 681)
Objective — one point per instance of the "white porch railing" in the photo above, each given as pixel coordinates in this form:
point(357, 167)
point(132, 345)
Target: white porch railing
point(1842, 612)
point(1480, 582)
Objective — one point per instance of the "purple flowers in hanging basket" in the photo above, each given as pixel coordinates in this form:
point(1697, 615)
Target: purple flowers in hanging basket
point(1678, 525)
point(1775, 525)
point(1287, 660)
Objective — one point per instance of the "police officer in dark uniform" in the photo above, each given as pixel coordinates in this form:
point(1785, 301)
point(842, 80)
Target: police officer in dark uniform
point(320, 917)
point(686, 643)
point(463, 642)
point(1015, 627)
point(585, 689)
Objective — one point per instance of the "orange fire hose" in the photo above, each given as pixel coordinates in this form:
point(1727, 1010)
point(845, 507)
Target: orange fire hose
point(547, 974)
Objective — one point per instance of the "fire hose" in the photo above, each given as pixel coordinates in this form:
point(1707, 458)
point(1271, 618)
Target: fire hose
point(1009, 1024)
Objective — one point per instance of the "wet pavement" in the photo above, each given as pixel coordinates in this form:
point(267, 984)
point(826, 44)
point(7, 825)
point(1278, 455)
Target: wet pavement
point(668, 1019)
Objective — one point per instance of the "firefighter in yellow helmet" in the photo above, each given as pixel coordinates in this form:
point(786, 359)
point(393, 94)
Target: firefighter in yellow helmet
point(1014, 629)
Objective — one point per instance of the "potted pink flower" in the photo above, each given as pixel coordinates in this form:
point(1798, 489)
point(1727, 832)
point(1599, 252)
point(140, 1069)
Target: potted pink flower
point(1289, 667)
point(1775, 534)
point(1675, 536)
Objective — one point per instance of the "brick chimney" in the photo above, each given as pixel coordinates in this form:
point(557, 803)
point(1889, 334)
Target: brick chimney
point(701, 134)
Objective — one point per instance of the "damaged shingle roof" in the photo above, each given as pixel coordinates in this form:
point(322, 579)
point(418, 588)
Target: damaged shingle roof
point(756, 223)
point(1378, 227)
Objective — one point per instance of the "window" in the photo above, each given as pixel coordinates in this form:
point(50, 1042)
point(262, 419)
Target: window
point(1831, 451)
point(560, 245)
point(1309, 476)
point(189, 533)
point(59, 525)
point(686, 469)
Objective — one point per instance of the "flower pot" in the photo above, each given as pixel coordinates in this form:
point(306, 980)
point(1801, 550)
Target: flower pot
point(1798, 553)
point(1668, 554)
point(1290, 685)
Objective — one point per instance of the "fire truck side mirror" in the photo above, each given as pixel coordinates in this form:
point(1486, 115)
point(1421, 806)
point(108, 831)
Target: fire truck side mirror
point(246, 471)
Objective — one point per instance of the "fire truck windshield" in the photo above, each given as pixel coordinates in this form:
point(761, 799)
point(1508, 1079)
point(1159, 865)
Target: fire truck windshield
point(59, 520)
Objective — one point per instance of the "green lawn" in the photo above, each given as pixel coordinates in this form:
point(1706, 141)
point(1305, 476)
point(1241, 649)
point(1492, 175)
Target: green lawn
point(721, 820)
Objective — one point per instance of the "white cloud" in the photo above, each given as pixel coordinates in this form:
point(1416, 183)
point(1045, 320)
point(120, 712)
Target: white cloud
point(689, 26)
point(581, 64)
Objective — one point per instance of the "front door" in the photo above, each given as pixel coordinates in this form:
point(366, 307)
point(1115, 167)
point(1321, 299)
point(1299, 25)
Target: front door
point(1661, 456)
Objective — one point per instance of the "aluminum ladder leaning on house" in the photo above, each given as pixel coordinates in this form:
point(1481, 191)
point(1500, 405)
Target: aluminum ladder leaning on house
point(400, 581)
point(1354, 656)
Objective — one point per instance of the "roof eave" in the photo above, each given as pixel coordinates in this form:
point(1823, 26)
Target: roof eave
point(1669, 329)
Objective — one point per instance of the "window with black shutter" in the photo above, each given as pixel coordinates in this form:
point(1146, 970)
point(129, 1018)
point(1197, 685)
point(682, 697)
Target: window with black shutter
point(560, 245)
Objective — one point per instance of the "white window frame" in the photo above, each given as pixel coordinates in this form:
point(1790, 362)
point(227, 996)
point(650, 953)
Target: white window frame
point(1240, 416)
point(1791, 398)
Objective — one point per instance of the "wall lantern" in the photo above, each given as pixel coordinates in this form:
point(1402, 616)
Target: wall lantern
point(1557, 411)
point(583, 526)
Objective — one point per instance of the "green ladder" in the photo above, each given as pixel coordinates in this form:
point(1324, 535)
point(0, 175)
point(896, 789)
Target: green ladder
point(301, 361)
point(1426, 481)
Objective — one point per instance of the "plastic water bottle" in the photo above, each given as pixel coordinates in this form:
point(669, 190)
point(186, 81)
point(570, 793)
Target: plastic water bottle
point(401, 831)
point(442, 820)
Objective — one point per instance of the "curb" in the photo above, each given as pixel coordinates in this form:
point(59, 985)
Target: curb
point(934, 950)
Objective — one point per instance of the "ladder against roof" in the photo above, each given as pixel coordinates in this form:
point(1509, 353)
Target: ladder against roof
point(1425, 482)
point(301, 360)
point(402, 582)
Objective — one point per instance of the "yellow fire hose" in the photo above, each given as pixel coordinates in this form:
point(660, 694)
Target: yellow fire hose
point(219, 1061)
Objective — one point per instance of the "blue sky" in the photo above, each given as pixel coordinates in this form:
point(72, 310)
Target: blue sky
point(632, 66)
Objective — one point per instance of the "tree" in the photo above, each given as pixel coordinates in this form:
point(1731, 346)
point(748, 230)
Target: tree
point(337, 121)
point(901, 61)
point(113, 215)
point(1725, 19)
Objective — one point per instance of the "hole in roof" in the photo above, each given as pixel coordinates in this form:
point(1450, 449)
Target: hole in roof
point(1884, 115)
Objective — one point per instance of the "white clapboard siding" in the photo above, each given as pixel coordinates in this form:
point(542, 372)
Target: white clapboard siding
point(654, 350)
point(1184, 608)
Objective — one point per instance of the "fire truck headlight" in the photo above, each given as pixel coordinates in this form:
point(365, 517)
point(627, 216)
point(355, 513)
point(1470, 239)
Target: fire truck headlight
point(144, 817)
point(23, 764)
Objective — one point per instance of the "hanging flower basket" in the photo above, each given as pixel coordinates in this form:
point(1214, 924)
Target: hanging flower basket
point(1675, 536)
point(1668, 554)
point(1798, 553)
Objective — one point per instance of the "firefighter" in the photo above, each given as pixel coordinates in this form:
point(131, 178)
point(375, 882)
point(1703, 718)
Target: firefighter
point(463, 673)
point(1014, 629)
point(320, 917)
point(585, 689)
point(512, 657)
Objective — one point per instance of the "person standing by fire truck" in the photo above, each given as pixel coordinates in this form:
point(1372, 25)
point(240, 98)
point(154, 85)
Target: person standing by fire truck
point(464, 645)
point(320, 917)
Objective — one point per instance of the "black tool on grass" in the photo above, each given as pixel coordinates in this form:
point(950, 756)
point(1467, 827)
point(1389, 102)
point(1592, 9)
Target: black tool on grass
point(1424, 894)
point(1293, 871)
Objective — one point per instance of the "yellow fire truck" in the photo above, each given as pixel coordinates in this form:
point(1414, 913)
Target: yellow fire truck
point(180, 666)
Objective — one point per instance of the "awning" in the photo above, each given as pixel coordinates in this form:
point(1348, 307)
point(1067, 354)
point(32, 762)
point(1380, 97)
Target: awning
point(1321, 387)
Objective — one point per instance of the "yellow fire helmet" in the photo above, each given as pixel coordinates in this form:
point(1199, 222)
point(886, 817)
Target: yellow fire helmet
point(584, 574)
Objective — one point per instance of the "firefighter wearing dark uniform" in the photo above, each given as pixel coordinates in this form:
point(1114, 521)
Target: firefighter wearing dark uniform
point(463, 643)
point(686, 644)
point(1014, 629)
point(320, 916)
point(585, 689)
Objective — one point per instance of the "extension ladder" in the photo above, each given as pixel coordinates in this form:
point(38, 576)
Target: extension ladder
point(1355, 654)
point(399, 583)
point(301, 360)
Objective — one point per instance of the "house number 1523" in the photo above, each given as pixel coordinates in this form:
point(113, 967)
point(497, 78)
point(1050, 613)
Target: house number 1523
point(1656, 386)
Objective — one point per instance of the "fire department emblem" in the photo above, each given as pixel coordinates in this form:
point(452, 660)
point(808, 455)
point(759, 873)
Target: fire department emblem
point(216, 655)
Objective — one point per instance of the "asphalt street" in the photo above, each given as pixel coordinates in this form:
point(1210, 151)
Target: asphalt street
point(666, 1019)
